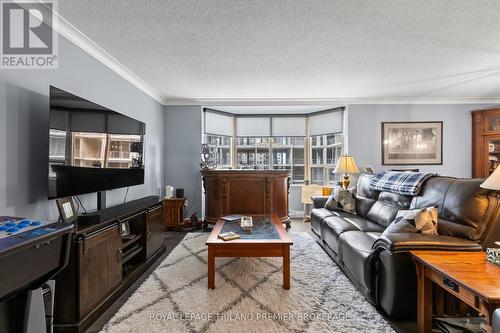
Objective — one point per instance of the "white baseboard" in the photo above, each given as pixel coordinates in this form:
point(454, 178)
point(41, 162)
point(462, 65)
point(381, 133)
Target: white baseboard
point(297, 214)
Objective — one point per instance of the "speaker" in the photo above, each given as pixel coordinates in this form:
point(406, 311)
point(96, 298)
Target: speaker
point(179, 193)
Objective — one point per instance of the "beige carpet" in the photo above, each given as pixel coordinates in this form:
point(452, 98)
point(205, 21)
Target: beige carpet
point(248, 297)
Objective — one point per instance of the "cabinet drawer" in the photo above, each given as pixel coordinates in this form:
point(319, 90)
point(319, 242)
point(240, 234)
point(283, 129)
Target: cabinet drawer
point(454, 288)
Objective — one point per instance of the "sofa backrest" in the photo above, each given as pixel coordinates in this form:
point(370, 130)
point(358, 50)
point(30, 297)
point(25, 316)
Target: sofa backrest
point(465, 209)
point(376, 206)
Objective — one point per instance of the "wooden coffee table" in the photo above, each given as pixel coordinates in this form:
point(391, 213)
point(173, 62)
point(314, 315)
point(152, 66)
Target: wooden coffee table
point(253, 246)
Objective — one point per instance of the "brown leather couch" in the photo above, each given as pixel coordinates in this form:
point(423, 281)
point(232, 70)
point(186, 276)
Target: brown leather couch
point(381, 267)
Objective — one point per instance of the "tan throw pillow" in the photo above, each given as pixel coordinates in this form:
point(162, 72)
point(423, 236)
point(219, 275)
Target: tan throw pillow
point(341, 199)
point(422, 221)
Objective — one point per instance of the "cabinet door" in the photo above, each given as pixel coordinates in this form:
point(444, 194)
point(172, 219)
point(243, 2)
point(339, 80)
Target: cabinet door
point(100, 267)
point(154, 233)
point(491, 122)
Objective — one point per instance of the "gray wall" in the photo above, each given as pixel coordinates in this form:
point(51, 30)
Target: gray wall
point(24, 107)
point(183, 128)
point(364, 133)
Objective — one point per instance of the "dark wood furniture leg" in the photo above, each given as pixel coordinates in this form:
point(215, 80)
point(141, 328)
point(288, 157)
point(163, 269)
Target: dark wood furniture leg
point(424, 299)
point(211, 268)
point(286, 266)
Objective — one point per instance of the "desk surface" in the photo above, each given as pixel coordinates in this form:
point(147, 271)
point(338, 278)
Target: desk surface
point(471, 269)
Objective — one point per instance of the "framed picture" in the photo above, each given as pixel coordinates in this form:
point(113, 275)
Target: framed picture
point(369, 169)
point(412, 143)
point(125, 229)
point(66, 208)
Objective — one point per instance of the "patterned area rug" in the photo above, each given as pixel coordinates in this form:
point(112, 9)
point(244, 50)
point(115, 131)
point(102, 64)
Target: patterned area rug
point(248, 296)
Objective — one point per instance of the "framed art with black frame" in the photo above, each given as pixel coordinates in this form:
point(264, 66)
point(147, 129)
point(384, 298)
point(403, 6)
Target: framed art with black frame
point(412, 143)
point(67, 211)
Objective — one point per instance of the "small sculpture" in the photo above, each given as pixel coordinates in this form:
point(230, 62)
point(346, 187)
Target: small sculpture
point(208, 157)
point(195, 223)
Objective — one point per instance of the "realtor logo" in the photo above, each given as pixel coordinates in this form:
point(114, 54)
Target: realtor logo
point(28, 38)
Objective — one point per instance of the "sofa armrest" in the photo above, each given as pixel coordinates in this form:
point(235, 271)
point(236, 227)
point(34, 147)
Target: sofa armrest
point(319, 201)
point(402, 242)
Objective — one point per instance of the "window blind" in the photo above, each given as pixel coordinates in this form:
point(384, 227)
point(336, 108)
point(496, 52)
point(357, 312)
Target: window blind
point(253, 126)
point(326, 122)
point(289, 126)
point(218, 123)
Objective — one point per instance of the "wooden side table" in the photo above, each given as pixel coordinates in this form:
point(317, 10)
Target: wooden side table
point(466, 275)
point(173, 209)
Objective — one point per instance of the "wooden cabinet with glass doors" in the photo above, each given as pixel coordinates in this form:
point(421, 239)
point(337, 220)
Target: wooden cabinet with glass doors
point(485, 142)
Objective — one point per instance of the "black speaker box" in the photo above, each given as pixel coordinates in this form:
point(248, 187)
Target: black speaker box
point(179, 193)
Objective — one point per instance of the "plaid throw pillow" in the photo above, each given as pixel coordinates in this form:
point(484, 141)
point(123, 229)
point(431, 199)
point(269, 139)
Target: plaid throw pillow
point(341, 199)
point(422, 221)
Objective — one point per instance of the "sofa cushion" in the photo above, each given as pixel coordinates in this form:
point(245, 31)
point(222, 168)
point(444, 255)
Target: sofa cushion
point(355, 250)
point(317, 216)
point(363, 224)
point(333, 226)
point(365, 196)
point(384, 211)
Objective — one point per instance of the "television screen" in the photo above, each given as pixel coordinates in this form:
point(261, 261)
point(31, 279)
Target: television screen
point(91, 148)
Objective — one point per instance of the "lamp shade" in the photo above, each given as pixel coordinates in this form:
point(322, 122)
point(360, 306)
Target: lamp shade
point(346, 164)
point(493, 181)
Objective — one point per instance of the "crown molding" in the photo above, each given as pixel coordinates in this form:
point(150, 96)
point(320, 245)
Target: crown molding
point(70, 32)
point(333, 102)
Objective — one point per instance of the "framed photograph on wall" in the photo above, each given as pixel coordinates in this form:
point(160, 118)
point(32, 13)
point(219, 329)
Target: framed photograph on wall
point(412, 143)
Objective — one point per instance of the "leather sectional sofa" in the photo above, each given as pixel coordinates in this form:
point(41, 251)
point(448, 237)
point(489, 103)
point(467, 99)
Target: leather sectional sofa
point(380, 266)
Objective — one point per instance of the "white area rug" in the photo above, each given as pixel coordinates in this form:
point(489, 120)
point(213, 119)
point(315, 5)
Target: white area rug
point(248, 296)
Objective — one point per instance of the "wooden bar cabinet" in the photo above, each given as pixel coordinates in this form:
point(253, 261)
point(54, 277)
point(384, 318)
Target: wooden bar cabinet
point(246, 192)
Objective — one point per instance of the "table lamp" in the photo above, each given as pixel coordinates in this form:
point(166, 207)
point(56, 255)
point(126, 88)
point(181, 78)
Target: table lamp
point(493, 181)
point(346, 165)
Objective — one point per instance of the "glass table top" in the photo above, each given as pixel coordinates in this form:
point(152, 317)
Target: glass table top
point(263, 228)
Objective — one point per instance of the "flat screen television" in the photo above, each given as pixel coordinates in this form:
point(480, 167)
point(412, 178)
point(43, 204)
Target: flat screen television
point(91, 148)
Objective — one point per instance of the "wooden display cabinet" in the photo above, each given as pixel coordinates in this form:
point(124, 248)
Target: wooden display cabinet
point(485, 142)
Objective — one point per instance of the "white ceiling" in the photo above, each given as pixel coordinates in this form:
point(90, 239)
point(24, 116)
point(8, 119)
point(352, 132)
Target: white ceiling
point(296, 50)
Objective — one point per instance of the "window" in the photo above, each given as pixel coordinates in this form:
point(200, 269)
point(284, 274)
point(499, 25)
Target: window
point(278, 142)
point(223, 146)
point(252, 153)
point(276, 153)
point(288, 154)
point(325, 151)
